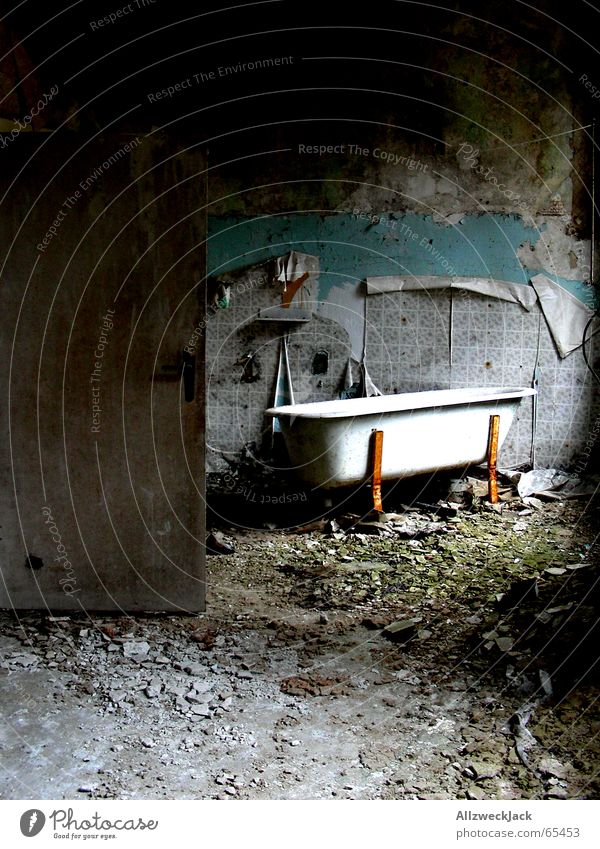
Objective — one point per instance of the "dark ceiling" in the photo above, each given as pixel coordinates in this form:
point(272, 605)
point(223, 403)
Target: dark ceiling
point(388, 62)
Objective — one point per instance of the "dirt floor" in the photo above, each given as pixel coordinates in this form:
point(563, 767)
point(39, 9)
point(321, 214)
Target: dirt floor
point(440, 655)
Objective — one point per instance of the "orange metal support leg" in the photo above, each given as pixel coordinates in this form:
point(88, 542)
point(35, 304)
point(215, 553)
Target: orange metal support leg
point(492, 458)
point(376, 455)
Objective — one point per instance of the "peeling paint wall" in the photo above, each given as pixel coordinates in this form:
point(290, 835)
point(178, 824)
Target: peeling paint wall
point(408, 342)
point(476, 162)
point(489, 177)
point(362, 242)
point(367, 236)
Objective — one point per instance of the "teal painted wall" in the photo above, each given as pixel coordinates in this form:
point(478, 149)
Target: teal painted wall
point(353, 247)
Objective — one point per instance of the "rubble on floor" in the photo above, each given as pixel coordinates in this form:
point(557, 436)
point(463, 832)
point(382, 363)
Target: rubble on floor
point(450, 657)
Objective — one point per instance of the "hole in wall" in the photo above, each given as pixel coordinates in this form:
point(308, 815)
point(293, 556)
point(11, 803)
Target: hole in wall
point(320, 363)
point(33, 562)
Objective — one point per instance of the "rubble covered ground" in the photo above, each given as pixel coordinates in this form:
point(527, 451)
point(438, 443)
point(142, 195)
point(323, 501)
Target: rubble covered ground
point(447, 651)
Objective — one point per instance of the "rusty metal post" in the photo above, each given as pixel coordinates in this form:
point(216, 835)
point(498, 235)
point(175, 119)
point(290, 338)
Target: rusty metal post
point(376, 455)
point(493, 458)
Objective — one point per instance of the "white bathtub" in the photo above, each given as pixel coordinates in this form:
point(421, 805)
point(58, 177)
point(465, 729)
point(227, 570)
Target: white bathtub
point(328, 442)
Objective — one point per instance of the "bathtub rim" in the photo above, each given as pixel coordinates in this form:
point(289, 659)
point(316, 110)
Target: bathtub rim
point(452, 397)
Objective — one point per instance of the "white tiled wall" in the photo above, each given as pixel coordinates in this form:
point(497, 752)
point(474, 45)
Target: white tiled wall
point(415, 341)
point(444, 339)
point(235, 410)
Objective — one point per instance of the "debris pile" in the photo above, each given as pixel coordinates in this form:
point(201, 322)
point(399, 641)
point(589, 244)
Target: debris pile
point(442, 651)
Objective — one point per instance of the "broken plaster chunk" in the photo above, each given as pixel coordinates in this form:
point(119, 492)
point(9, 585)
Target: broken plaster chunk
point(401, 631)
point(218, 543)
point(202, 686)
point(376, 622)
point(504, 643)
point(545, 682)
point(154, 689)
point(25, 660)
point(482, 770)
point(552, 767)
point(244, 675)
point(557, 793)
point(534, 502)
point(198, 698)
point(194, 669)
point(134, 649)
point(116, 696)
point(476, 794)
point(177, 689)
point(151, 692)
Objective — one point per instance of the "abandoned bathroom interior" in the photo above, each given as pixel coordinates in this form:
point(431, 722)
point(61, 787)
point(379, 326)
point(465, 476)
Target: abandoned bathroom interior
point(299, 438)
